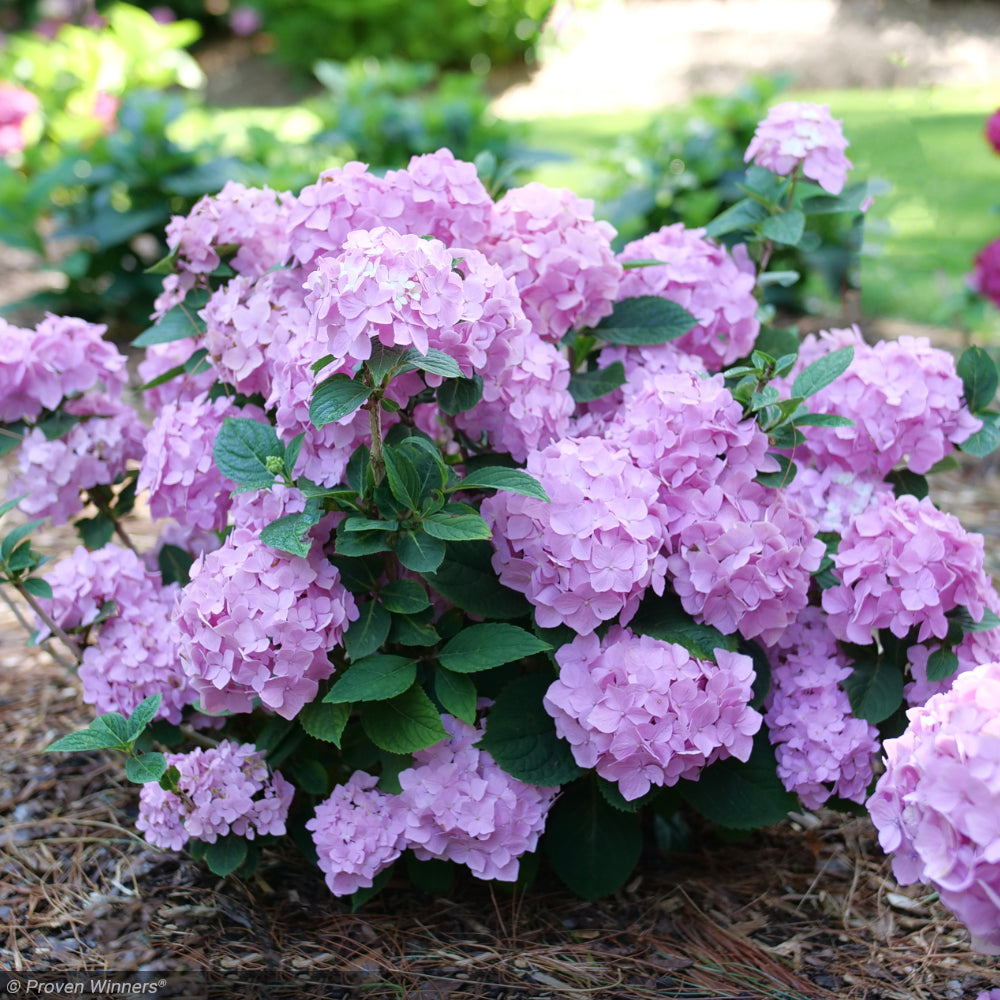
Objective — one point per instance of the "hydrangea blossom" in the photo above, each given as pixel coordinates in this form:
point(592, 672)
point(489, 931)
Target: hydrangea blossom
point(797, 132)
point(645, 712)
point(560, 258)
point(745, 564)
point(590, 553)
point(992, 130)
point(903, 564)
point(937, 806)
point(714, 285)
point(833, 497)
point(16, 106)
point(821, 748)
point(459, 805)
point(178, 467)
point(904, 396)
point(985, 277)
point(225, 789)
point(258, 623)
point(94, 452)
point(61, 357)
point(358, 832)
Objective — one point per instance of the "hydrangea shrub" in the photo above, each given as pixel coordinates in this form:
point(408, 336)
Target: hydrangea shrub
point(478, 538)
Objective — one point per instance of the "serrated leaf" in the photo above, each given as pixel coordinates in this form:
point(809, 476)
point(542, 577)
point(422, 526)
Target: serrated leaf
point(413, 630)
point(419, 551)
point(309, 775)
point(226, 855)
point(434, 361)
point(663, 618)
point(457, 694)
point(784, 279)
point(822, 372)
point(521, 736)
point(786, 227)
point(374, 678)
point(482, 647)
point(382, 361)
point(495, 477)
point(335, 398)
point(404, 724)
point(85, 739)
point(290, 533)
point(38, 587)
point(360, 574)
point(987, 439)
point(742, 796)
point(405, 597)
point(874, 688)
point(591, 846)
point(361, 543)
point(907, 483)
point(402, 476)
point(242, 448)
point(742, 215)
point(145, 768)
point(174, 564)
point(456, 527)
point(822, 420)
point(368, 632)
point(978, 373)
point(456, 395)
point(645, 320)
point(177, 323)
point(585, 387)
point(941, 664)
point(13, 538)
point(466, 578)
point(324, 721)
point(142, 714)
point(784, 475)
point(987, 623)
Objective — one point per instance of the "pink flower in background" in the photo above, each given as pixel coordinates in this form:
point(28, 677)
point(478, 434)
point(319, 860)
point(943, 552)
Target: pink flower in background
point(985, 277)
point(16, 104)
point(244, 20)
point(992, 130)
point(797, 132)
point(937, 806)
point(105, 111)
point(162, 15)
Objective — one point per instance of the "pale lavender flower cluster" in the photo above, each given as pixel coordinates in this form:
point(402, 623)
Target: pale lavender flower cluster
point(798, 133)
point(821, 748)
point(904, 397)
point(645, 712)
point(459, 805)
point(592, 551)
point(834, 497)
point(936, 805)
point(746, 565)
point(358, 832)
point(714, 285)
point(58, 359)
point(904, 564)
point(222, 790)
point(258, 623)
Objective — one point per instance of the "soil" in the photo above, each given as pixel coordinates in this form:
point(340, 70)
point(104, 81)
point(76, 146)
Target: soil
point(804, 910)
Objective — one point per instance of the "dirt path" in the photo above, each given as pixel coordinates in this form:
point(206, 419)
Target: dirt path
point(646, 54)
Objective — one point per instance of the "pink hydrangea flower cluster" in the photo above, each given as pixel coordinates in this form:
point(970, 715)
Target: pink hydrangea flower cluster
point(822, 749)
point(745, 564)
point(834, 497)
point(16, 106)
point(225, 789)
point(714, 285)
point(358, 832)
point(936, 805)
point(992, 130)
point(257, 623)
point(590, 553)
point(645, 712)
point(904, 396)
point(459, 805)
point(797, 132)
point(985, 277)
point(54, 474)
point(178, 468)
point(904, 564)
point(560, 258)
point(58, 359)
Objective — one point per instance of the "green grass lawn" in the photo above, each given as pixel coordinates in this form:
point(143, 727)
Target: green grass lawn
point(943, 199)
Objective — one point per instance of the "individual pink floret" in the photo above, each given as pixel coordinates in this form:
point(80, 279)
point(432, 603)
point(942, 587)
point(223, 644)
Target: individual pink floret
point(358, 832)
point(904, 564)
point(560, 258)
point(590, 553)
point(715, 285)
point(797, 132)
point(222, 790)
point(459, 805)
point(937, 806)
point(822, 749)
point(257, 623)
point(645, 712)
